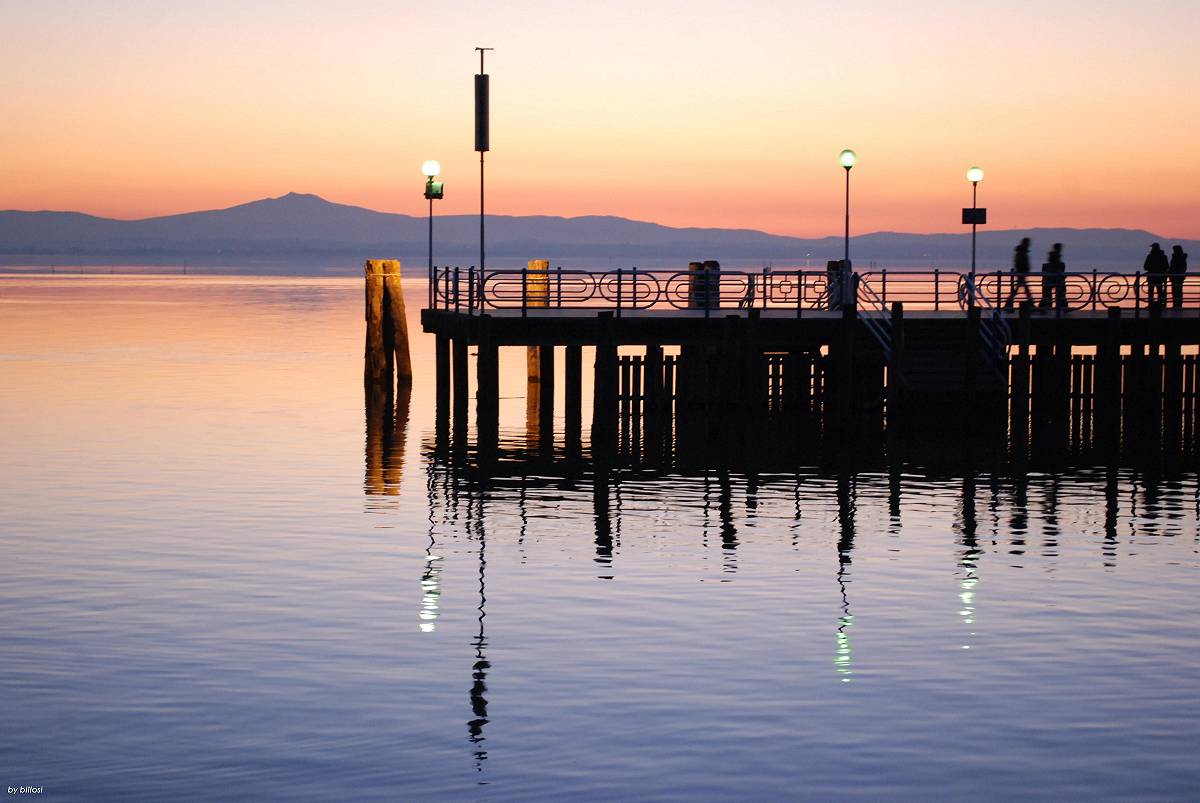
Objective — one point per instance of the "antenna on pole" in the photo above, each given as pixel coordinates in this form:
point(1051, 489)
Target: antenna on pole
point(481, 141)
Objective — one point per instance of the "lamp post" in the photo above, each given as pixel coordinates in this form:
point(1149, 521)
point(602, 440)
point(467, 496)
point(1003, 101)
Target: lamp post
point(433, 191)
point(847, 159)
point(974, 175)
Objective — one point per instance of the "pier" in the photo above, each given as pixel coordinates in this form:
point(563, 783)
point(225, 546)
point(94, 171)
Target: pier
point(688, 365)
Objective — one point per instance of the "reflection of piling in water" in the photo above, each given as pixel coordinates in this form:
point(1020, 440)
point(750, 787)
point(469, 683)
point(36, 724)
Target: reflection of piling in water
point(387, 425)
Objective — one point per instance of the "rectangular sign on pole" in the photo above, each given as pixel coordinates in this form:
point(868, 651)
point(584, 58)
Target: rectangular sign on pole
point(977, 215)
point(481, 113)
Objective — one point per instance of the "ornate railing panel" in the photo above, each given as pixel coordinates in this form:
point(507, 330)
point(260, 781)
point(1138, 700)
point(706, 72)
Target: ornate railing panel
point(471, 291)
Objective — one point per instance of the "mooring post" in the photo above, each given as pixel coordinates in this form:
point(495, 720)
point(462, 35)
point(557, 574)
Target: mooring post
point(441, 351)
point(487, 399)
point(604, 402)
point(573, 398)
point(393, 288)
point(461, 399)
point(377, 358)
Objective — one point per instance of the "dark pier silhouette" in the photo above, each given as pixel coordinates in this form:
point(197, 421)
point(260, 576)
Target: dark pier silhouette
point(709, 366)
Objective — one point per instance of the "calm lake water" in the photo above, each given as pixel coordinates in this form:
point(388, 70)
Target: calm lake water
point(213, 590)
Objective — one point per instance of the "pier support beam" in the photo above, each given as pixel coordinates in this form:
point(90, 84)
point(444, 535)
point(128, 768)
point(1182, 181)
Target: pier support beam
point(461, 398)
point(545, 397)
point(573, 399)
point(1020, 390)
point(441, 407)
point(487, 398)
point(604, 393)
point(655, 421)
point(895, 370)
point(1107, 392)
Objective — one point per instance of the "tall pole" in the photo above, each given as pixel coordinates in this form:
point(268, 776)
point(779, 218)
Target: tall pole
point(481, 142)
point(846, 256)
point(431, 234)
point(974, 206)
point(480, 213)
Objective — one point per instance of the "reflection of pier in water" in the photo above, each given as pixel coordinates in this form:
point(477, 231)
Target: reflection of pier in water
point(1009, 510)
point(1002, 513)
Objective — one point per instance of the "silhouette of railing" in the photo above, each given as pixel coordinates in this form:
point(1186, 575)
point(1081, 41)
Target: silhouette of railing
point(634, 290)
point(873, 311)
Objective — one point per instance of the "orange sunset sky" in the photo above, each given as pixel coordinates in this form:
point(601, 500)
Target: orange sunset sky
point(689, 113)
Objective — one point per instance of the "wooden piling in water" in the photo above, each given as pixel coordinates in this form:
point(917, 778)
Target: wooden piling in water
point(1020, 383)
point(487, 397)
point(653, 389)
point(387, 350)
point(461, 398)
point(535, 293)
point(545, 397)
point(573, 398)
point(604, 393)
point(1107, 401)
point(441, 407)
point(377, 360)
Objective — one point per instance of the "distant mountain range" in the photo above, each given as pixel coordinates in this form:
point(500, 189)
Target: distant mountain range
point(306, 230)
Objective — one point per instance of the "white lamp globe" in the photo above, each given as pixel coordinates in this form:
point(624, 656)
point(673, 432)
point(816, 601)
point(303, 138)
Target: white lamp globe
point(847, 158)
point(431, 168)
point(975, 175)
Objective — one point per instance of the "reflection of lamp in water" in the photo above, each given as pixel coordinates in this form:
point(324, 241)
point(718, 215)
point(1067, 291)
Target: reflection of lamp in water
point(431, 590)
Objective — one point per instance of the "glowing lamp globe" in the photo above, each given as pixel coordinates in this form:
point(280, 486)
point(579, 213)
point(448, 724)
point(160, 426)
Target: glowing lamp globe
point(431, 168)
point(975, 175)
point(847, 158)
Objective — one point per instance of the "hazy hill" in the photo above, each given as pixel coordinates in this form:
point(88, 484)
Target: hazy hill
point(305, 228)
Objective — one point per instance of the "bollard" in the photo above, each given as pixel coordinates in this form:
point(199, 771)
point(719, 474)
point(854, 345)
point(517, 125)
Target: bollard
point(387, 349)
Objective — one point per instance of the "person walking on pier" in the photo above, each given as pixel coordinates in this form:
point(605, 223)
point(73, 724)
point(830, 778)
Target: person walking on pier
point(1020, 273)
point(1156, 276)
point(1054, 280)
point(1178, 271)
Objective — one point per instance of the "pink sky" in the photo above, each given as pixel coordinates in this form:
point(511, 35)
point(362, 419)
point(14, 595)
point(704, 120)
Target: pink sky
point(699, 113)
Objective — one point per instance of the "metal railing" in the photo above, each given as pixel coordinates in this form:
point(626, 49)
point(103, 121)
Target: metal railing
point(874, 312)
point(995, 333)
point(634, 290)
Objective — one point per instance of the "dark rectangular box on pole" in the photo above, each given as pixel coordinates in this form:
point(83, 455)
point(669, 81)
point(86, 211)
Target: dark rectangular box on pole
point(481, 112)
point(977, 215)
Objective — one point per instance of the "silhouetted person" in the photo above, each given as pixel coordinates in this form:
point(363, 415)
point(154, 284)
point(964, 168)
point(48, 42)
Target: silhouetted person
point(1178, 271)
point(1021, 273)
point(1156, 275)
point(1054, 282)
